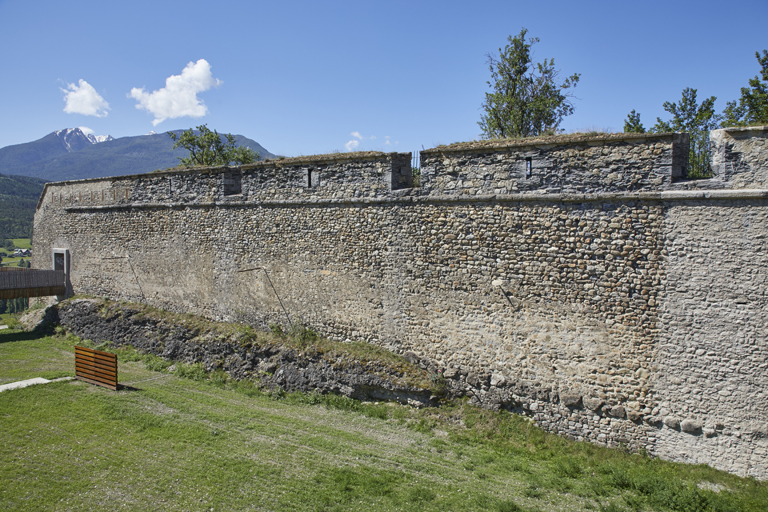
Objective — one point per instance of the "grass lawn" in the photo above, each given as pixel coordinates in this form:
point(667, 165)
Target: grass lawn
point(14, 262)
point(22, 243)
point(165, 442)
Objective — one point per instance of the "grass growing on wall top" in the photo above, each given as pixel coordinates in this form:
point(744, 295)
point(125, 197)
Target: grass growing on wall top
point(203, 442)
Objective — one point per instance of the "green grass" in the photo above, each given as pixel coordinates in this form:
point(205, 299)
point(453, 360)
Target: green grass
point(203, 442)
point(22, 243)
point(13, 262)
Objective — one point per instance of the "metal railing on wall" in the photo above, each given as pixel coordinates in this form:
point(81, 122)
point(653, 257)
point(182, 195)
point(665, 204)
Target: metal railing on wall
point(416, 160)
point(416, 168)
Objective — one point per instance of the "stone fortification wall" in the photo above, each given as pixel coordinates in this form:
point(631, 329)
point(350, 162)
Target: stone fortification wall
point(571, 164)
point(712, 355)
point(740, 156)
point(336, 176)
point(587, 311)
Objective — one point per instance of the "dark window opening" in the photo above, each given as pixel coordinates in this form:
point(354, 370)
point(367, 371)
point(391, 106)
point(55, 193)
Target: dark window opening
point(233, 183)
point(311, 178)
point(61, 262)
point(528, 167)
point(58, 261)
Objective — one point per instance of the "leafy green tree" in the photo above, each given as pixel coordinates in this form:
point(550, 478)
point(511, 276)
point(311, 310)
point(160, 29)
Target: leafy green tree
point(17, 305)
point(687, 116)
point(752, 107)
point(207, 149)
point(696, 119)
point(633, 124)
point(526, 99)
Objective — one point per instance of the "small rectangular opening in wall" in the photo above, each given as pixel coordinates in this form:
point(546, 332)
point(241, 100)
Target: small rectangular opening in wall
point(311, 178)
point(61, 262)
point(528, 167)
point(681, 145)
point(233, 182)
point(401, 173)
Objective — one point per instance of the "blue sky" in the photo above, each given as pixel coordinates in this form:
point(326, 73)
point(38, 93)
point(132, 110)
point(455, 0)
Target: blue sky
point(309, 77)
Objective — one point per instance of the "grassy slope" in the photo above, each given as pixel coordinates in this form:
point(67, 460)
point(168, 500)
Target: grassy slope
point(22, 243)
point(169, 443)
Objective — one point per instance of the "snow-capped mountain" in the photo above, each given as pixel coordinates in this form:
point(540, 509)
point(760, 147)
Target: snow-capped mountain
point(55, 144)
point(73, 153)
point(75, 139)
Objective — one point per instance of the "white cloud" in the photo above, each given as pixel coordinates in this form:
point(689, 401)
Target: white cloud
point(357, 137)
point(179, 96)
point(83, 99)
point(386, 142)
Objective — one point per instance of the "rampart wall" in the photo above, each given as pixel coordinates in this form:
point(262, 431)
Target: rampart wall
point(579, 280)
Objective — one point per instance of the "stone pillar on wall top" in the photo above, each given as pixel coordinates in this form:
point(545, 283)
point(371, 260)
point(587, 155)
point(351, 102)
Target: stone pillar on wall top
point(740, 156)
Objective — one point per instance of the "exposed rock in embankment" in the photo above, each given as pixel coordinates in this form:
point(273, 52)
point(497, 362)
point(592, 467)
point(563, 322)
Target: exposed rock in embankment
point(273, 360)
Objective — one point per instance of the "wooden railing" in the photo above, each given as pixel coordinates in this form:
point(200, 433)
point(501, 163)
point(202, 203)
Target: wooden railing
point(28, 282)
point(96, 367)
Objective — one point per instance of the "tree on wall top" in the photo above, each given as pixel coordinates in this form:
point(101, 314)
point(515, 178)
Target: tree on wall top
point(207, 149)
point(687, 116)
point(527, 100)
point(752, 107)
point(632, 123)
point(699, 119)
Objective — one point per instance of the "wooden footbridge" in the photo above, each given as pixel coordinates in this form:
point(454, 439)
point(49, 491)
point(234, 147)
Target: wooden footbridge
point(31, 282)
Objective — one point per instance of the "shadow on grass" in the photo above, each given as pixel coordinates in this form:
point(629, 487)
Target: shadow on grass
point(21, 336)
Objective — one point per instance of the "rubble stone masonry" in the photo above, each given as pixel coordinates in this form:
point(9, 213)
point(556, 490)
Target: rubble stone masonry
point(579, 280)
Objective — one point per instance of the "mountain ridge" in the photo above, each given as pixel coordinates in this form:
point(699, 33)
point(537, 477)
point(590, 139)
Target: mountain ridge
point(72, 154)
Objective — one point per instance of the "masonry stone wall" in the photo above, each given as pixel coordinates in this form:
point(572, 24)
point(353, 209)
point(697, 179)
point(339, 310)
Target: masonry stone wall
point(571, 164)
point(740, 156)
point(711, 358)
point(622, 310)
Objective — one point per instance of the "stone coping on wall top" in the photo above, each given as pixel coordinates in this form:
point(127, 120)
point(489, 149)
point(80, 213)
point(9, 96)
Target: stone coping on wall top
point(736, 129)
point(328, 157)
point(276, 162)
point(675, 195)
point(554, 140)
